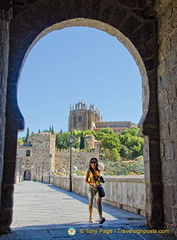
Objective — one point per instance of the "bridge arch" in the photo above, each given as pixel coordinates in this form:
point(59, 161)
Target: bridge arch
point(135, 27)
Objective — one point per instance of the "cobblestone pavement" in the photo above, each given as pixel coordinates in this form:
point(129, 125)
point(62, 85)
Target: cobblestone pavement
point(45, 212)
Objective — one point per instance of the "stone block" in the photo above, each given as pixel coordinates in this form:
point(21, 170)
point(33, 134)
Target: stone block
point(168, 111)
point(166, 78)
point(165, 47)
point(174, 107)
point(169, 171)
point(150, 63)
point(173, 39)
point(174, 216)
point(162, 150)
point(168, 11)
point(133, 4)
point(170, 151)
point(173, 126)
point(9, 173)
point(119, 15)
point(163, 98)
point(167, 214)
point(172, 92)
point(161, 69)
point(162, 116)
point(5, 217)
point(171, 60)
point(7, 196)
point(147, 51)
point(144, 34)
point(174, 74)
point(130, 26)
point(169, 195)
point(164, 131)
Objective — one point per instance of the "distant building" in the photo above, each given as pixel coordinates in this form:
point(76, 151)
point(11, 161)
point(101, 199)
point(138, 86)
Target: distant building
point(24, 166)
point(116, 126)
point(37, 157)
point(82, 118)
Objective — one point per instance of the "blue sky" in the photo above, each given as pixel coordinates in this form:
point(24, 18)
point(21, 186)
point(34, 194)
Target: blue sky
point(78, 63)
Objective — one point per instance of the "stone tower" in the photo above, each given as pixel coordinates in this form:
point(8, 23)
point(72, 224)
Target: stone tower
point(82, 118)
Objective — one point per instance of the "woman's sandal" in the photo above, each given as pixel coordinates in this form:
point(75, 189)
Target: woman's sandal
point(102, 220)
point(91, 220)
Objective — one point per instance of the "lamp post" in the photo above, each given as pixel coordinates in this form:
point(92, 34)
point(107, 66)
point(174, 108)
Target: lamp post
point(71, 140)
point(50, 157)
point(42, 170)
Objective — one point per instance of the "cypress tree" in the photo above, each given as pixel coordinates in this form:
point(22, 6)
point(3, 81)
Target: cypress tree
point(82, 141)
point(52, 130)
point(27, 135)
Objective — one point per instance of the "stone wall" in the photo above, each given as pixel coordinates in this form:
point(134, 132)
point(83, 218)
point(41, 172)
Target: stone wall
point(79, 159)
point(43, 153)
point(5, 184)
point(167, 98)
point(127, 192)
point(4, 50)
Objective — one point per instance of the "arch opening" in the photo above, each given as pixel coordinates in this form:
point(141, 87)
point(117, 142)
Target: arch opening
point(82, 22)
point(44, 169)
point(27, 175)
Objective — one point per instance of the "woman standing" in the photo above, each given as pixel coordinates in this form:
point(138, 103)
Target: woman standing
point(93, 179)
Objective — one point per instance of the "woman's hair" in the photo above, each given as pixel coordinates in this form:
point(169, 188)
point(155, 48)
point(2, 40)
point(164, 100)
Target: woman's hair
point(90, 167)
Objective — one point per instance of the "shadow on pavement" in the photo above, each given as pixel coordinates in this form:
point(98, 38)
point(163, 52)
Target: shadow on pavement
point(76, 231)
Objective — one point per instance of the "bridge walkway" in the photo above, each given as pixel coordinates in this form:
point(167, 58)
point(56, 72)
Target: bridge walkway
point(45, 212)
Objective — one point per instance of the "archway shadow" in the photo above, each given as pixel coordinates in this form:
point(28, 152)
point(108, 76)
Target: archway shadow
point(87, 231)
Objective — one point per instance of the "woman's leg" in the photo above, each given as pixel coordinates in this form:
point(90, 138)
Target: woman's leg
point(91, 195)
point(102, 219)
point(99, 207)
point(90, 211)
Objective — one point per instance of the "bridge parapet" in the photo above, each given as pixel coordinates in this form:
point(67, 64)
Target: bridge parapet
point(126, 192)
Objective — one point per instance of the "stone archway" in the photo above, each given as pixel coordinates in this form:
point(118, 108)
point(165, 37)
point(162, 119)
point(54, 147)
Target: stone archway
point(27, 175)
point(134, 24)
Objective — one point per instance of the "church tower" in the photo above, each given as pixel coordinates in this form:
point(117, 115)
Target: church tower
point(82, 118)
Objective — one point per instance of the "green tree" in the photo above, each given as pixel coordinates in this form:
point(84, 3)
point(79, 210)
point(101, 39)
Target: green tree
point(89, 132)
point(106, 130)
point(111, 155)
point(100, 135)
point(25, 139)
point(20, 141)
point(110, 141)
point(62, 140)
point(125, 152)
point(132, 144)
point(52, 130)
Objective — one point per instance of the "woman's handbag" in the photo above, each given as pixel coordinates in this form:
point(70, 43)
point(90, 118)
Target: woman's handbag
point(101, 191)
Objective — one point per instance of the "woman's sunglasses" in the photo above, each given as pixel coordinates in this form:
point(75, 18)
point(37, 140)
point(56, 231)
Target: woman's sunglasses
point(93, 162)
